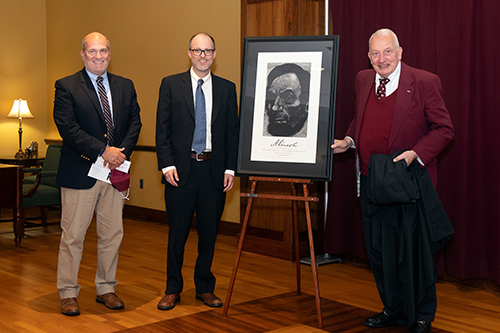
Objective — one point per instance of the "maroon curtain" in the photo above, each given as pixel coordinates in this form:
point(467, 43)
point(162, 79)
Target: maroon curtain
point(459, 41)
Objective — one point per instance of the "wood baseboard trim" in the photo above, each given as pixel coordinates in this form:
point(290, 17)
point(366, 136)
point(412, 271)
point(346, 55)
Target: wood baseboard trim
point(137, 147)
point(267, 247)
point(257, 240)
point(145, 214)
point(160, 216)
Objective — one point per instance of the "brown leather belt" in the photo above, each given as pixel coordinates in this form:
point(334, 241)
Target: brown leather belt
point(201, 157)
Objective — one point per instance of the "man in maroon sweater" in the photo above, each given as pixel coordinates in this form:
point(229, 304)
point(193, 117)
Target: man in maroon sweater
point(397, 107)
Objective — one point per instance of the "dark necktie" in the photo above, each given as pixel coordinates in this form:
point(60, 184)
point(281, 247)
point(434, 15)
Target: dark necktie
point(381, 87)
point(106, 110)
point(200, 130)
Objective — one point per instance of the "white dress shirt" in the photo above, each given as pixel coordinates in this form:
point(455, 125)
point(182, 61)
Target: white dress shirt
point(207, 91)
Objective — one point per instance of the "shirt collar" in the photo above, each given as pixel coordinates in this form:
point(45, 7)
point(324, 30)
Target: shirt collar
point(94, 77)
point(195, 77)
point(394, 77)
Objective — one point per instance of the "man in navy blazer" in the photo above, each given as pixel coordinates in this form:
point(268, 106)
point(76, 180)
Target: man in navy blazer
point(195, 181)
point(79, 113)
point(397, 108)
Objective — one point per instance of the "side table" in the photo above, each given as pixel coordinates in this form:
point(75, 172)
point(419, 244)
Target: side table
point(11, 189)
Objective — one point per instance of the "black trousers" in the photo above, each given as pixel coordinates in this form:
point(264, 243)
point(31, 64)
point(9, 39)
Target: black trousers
point(199, 195)
point(426, 309)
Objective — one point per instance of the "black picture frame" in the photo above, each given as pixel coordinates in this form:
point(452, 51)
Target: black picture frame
point(267, 146)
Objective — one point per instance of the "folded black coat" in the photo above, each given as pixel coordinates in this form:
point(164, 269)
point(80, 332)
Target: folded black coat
point(409, 226)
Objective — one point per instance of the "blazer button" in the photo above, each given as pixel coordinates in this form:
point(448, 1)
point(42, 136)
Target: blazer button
point(105, 135)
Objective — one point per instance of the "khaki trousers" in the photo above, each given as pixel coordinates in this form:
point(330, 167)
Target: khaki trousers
point(78, 207)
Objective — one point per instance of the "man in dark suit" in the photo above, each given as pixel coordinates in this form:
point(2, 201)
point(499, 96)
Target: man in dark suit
point(196, 145)
point(397, 108)
point(97, 114)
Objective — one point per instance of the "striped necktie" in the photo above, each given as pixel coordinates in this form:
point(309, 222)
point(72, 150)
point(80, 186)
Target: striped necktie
point(106, 110)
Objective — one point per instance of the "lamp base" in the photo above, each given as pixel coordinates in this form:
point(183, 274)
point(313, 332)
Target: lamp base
point(20, 154)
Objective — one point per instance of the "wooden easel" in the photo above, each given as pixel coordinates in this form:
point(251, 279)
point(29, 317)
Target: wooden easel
point(306, 198)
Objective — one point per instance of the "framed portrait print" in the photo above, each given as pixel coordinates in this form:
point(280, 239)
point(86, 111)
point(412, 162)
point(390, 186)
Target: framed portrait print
point(287, 107)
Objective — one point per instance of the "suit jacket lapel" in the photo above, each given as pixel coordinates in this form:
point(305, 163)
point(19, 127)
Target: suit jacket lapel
point(403, 100)
point(187, 90)
point(89, 89)
point(364, 94)
point(216, 97)
point(116, 99)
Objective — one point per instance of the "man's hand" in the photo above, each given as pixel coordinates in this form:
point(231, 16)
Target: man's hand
point(228, 182)
point(409, 156)
point(113, 157)
point(340, 146)
point(172, 177)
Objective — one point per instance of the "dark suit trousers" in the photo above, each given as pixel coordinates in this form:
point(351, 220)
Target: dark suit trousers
point(427, 309)
point(198, 195)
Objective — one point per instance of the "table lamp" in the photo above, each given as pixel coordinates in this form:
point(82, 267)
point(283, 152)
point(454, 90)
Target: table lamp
point(20, 110)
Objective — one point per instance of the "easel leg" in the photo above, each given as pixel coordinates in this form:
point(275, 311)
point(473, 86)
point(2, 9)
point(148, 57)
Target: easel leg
point(238, 251)
point(294, 198)
point(296, 236)
point(313, 258)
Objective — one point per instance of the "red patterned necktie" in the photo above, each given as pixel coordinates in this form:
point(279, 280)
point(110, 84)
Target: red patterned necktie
point(381, 87)
point(106, 110)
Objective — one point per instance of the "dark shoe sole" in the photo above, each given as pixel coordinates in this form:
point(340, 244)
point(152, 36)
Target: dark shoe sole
point(398, 322)
point(118, 307)
point(165, 308)
point(428, 329)
point(71, 314)
point(210, 305)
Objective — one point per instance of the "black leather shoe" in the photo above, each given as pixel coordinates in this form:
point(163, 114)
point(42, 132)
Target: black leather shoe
point(420, 326)
point(385, 319)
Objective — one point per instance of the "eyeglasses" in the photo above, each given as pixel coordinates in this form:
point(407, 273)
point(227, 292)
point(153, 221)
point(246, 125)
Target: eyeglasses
point(198, 52)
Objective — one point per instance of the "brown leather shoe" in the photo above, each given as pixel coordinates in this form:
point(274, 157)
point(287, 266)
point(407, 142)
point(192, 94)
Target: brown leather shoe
point(69, 307)
point(168, 301)
point(209, 299)
point(110, 300)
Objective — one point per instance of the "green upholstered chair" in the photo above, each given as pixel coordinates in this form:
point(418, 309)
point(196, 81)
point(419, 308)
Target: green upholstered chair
point(40, 189)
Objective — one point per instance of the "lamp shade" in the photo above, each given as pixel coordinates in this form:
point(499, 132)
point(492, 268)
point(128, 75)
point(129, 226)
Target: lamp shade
point(20, 109)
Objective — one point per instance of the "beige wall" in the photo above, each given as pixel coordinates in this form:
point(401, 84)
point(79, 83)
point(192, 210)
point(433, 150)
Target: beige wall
point(23, 71)
point(149, 40)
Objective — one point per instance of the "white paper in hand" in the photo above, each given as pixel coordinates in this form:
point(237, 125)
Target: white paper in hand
point(101, 172)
